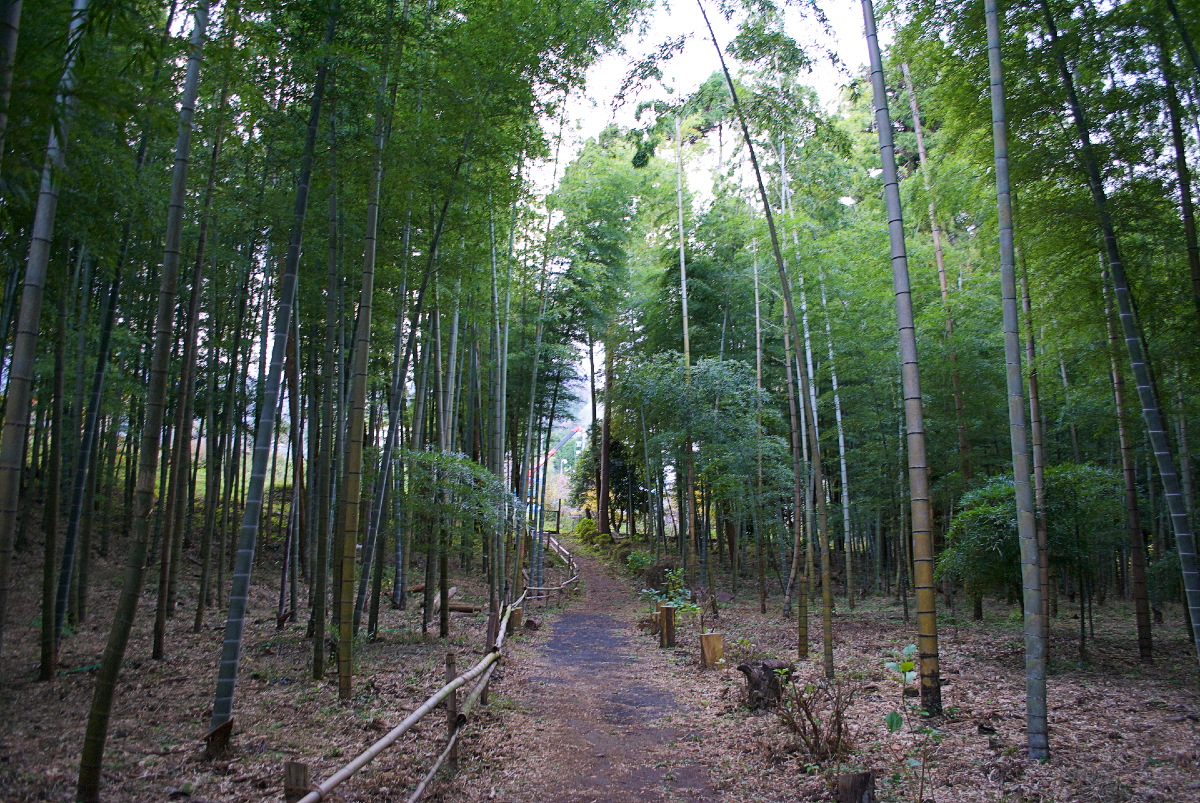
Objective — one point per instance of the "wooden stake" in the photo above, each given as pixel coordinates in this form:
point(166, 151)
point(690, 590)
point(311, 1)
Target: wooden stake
point(667, 633)
point(493, 627)
point(514, 620)
point(295, 781)
point(856, 787)
point(452, 711)
point(712, 650)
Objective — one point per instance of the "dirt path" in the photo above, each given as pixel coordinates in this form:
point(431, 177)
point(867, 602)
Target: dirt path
point(594, 720)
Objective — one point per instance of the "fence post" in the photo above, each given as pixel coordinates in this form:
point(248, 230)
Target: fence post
point(452, 711)
point(668, 627)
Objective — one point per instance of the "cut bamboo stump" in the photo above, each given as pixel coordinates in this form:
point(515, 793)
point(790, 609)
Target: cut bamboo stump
point(856, 787)
point(295, 781)
point(667, 634)
point(712, 650)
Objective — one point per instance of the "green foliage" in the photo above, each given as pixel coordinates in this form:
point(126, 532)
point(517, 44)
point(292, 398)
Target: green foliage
point(676, 594)
point(638, 561)
point(586, 531)
point(1084, 516)
point(919, 755)
point(904, 665)
point(466, 497)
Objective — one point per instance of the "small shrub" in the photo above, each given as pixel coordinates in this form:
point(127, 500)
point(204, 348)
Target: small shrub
point(638, 561)
point(621, 551)
point(815, 711)
point(741, 650)
point(602, 540)
point(586, 530)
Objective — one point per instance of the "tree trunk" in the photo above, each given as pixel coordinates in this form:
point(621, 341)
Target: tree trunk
point(1035, 636)
point(235, 619)
point(214, 445)
point(1184, 174)
point(84, 459)
point(1039, 456)
point(1185, 542)
point(351, 496)
point(964, 444)
point(88, 788)
point(1137, 547)
point(51, 627)
point(16, 407)
point(837, 412)
point(914, 417)
point(797, 480)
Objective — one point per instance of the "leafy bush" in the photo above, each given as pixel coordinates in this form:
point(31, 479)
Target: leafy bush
point(586, 529)
point(1084, 517)
point(638, 561)
point(621, 551)
point(675, 594)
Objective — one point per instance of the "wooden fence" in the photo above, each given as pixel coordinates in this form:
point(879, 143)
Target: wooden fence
point(296, 782)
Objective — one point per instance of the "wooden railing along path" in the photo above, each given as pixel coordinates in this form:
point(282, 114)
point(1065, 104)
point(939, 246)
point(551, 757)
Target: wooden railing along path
point(543, 592)
point(296, 785)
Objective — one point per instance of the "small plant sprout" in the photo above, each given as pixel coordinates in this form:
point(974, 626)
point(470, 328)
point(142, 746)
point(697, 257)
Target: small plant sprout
point(904, 666)
point(918, 759)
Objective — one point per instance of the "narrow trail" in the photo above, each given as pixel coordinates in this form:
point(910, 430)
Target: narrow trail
point(596, 719)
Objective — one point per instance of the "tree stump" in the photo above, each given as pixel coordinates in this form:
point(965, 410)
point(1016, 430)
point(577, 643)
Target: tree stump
point(762, 681)
point(295, 781)
point(667, 634)
point(712, 650)
point(216, 743)
point(856, 787)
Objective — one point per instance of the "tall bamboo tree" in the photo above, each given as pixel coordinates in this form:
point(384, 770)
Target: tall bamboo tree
point(1035, 637)
point(1185, 541)
point(88, 786)
point(914, 416)
point(16, 406)
point(227, 670)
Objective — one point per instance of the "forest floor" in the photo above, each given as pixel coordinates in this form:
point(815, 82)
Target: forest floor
point(588, 708)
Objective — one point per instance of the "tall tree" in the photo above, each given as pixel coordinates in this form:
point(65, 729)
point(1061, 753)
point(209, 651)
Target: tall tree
point(1185, 541)
point(235, 620)
point(914, 416)
point(16, 407)
point(88, 786)
point(1035, 637)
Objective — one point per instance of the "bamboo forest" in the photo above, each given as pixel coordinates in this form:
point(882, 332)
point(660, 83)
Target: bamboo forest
point(566, 401)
